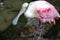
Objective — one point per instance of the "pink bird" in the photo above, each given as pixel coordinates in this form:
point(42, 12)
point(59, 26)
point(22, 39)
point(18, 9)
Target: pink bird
point(42, 10)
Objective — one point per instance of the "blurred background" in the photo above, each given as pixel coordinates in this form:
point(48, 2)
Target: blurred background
point(8, 12)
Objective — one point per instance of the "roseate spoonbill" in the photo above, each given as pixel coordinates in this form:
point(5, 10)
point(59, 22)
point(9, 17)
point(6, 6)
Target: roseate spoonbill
point(42, 10)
